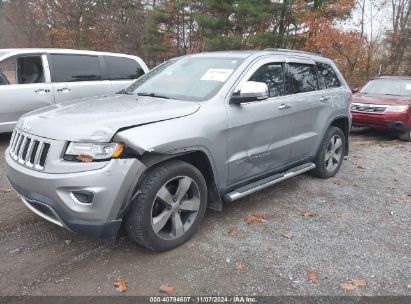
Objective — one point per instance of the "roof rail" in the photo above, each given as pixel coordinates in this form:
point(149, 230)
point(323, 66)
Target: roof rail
point(290, 51)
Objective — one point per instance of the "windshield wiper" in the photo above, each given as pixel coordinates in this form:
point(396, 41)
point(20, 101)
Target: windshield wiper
point(123, 91)
point(153, 95)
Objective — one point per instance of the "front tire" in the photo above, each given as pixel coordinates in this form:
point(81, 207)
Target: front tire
point(169, 206)
point(331, 154)
point(405, 136)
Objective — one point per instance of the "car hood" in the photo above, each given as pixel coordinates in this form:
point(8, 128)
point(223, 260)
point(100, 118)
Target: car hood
point(381, 99)
point(97, 119)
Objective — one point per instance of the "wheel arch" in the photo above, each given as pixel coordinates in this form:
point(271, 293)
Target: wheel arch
point(196, 156)
point(343, 123)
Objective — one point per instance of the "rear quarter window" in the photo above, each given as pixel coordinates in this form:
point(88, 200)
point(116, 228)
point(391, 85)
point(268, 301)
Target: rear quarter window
point(328, 76)
point(73, 68)
point(120, 68)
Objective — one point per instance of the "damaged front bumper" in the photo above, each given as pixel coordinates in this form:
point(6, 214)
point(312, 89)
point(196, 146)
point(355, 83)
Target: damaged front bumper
point(55, 197)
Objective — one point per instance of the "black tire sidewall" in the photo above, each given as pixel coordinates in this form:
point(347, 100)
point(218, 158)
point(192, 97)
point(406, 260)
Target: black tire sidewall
point(141, 213)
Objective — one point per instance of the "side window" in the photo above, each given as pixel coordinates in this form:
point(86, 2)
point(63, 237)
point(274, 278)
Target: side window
point(72, 68)
point(123, 68)
point(328, 76)
point(22, 70)
point(271, 74)
point(302, 77)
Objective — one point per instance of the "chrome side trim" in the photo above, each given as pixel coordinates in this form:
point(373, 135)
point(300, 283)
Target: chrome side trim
point(235, 195)
point(46, 217)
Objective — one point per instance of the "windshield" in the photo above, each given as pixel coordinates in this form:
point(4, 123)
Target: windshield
point(398, 87)
point(186, 78)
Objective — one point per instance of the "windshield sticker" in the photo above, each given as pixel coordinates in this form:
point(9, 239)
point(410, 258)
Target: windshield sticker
point(408, 87)
point(220, 75)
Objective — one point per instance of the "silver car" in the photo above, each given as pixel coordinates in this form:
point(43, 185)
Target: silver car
point(35, 78)
point(191, 134)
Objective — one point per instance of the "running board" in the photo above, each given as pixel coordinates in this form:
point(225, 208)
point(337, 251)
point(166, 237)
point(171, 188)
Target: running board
point(266, 182)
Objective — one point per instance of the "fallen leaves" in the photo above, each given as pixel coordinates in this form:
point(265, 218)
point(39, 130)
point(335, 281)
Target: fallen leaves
point(313, 277)
point(121, 285)
point(239, 266)
point(401, 201)
point(409, 194)
point(337, 182)
point(307, 214)
point(353, 284)
point(367, 210)
point(232, 232)
point(361, 167)
point(259, 218)
point(165, 288)
point(287, 235)
point(84, 158)
point(8, 190)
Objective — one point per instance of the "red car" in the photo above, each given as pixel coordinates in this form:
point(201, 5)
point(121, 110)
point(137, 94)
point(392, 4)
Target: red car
point(384, 103)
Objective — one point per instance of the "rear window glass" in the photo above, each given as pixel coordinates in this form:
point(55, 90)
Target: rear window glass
point(302, 78)
point(123, 68)
point(328, 77)
point(71, 68)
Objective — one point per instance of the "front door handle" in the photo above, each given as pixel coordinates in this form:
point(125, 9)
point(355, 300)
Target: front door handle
point(324, 98)
point(42, 91)
point(284, 106)
point(64, 90)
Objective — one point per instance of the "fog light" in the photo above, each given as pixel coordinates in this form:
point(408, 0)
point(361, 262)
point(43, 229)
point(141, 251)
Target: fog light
point(82, 197)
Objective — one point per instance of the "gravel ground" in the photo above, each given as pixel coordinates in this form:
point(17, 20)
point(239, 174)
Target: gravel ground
point(360, 229)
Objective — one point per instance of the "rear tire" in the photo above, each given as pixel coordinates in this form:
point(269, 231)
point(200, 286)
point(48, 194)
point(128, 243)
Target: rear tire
point(331, 154)
point(169, 207)
point(405, 136)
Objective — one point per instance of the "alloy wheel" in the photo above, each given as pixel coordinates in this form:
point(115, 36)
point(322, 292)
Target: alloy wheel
point(333, 153)
point(175, 208)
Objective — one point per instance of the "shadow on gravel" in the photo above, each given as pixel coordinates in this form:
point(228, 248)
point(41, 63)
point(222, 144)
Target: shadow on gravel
point(369, 134)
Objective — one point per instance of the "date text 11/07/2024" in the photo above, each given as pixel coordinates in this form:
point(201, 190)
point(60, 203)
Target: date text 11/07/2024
point(203, 299)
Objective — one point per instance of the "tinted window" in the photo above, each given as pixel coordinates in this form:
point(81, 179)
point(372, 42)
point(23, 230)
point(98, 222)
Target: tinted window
point(272, 75)
point(22, 70)
point(123, 68)
point(69, 68)
point(328, 76)
point(302, 78)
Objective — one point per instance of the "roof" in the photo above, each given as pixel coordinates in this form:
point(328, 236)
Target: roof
point(270, 51)
point(57, 50)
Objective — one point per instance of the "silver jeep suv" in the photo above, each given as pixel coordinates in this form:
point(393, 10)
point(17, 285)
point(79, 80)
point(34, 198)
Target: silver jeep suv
point(191, 134)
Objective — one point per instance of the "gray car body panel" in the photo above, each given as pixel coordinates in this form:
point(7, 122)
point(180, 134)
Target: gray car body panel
point(241, 142)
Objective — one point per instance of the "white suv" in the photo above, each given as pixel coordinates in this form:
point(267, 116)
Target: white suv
point(35, 78)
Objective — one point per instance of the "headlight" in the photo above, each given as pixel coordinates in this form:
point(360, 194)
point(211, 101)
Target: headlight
point(88, 152)
point(397, 109)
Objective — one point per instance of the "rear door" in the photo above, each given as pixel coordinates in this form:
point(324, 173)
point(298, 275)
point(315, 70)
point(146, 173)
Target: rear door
point(25, 86)
point(77, 76)
point(260, 133)
point(313, 108)
point(122, 71)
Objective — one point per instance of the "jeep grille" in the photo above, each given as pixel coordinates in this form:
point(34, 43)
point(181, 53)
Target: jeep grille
point(28, 150)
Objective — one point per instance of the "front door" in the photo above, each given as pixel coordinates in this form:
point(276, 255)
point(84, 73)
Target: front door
point(25, 86)
point(260, 133)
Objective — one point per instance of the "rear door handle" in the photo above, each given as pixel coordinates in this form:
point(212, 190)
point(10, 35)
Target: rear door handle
point(42, 91)
point(284, 106)
point(324, 98)
point(64, 90)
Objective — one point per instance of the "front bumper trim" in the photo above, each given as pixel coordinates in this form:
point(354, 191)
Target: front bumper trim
point(57, 221)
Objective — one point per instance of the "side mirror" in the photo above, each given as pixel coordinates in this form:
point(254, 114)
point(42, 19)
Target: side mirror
point(355, 90)
point(250, 91)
